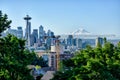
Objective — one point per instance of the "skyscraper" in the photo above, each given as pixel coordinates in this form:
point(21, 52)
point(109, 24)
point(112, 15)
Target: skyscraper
point(19, 32)
point(75, 42)
point(12, 32)
point(50, 33)
point(99, 40)
point(35, 34)
point(79, 43)
point(70, 40)
point(41, 33)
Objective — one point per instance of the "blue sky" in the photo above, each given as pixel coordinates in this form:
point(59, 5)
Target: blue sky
point(64, 16)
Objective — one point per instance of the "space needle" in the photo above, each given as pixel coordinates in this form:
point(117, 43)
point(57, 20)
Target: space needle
point(28, 29)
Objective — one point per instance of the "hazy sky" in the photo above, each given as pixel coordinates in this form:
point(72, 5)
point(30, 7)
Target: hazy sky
point(64, 16)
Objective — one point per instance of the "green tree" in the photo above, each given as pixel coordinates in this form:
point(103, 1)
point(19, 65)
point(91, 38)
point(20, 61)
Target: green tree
point(40, 61)
point(4, 22)
point(99, 63)
point(14, 58)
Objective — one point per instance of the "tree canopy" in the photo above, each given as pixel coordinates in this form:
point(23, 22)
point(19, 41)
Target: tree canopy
point(40, 61)
point(4, 22)
point(99, 63)
point(14, 58)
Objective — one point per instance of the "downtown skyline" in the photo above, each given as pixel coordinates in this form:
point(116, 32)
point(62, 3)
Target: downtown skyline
point(96, 16)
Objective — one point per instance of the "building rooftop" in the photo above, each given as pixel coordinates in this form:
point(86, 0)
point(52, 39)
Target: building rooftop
point(48, 75)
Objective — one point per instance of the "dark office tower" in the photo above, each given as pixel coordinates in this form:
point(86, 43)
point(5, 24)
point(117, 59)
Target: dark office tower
point(70, 40)
point(79, 43)
point(19, 32)
point(41, 32)
point(75, 42)
point(35, 34)
point(27, 30)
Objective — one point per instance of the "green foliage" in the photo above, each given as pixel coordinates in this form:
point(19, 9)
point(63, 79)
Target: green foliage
point(105, 40)
point(4, 22)
point(40, 61)
point(14, 58)
point(100, 63)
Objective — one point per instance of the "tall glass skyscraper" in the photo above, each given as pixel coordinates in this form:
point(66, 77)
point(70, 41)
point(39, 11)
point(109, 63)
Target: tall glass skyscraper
point(41, 33)
point(70, 40)
point(35, 34)
point(19, 32)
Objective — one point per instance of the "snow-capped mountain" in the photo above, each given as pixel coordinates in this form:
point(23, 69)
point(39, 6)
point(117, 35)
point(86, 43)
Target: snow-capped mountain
point(80, 31)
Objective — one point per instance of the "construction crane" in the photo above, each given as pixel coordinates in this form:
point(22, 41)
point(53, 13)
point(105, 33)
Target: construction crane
point(57, 54)
point(57, 50)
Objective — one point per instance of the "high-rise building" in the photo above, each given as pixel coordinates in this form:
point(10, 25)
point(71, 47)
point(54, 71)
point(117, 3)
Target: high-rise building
point(35, 34)
point(75, 42)
point(79, 43)
point(16, 32)
point(70, 40)
point(48, 43)
point(19, 32)
point(12, 32)
point(41, 32)
point(99, 40)
point(50, 33)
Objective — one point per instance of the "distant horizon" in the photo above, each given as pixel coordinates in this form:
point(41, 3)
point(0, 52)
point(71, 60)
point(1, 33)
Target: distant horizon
point(69, 33)
point(63, 16)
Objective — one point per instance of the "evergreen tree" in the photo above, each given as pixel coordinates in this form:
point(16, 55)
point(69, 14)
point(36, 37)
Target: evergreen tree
point(40, 61)
point(4, 22)
point(99, 63)
point(14, 58)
